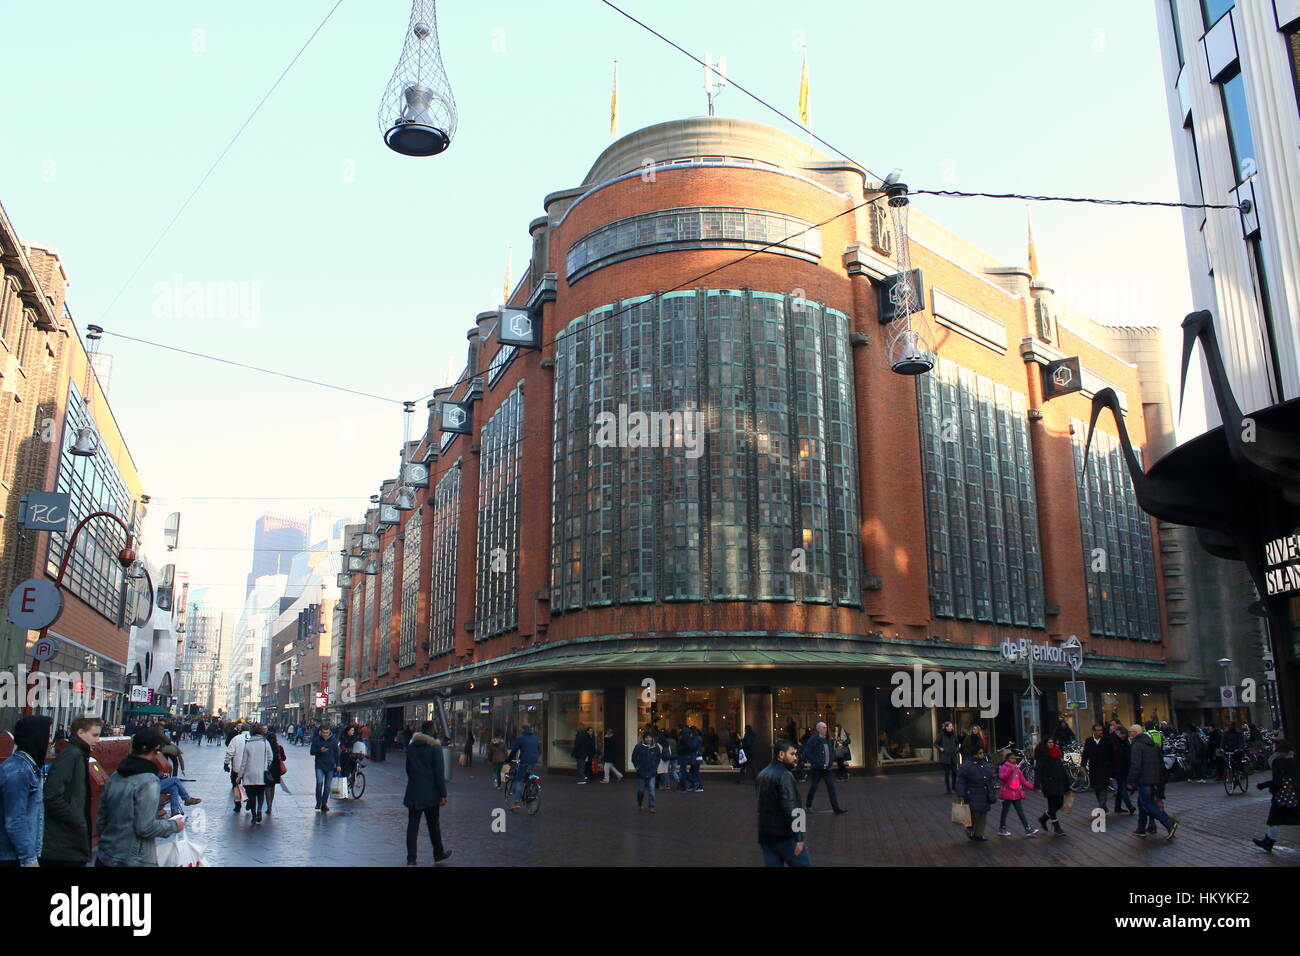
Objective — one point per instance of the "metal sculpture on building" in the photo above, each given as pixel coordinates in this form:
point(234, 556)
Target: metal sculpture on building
point(909, 351)
point(1238, 485)
point(418, 114)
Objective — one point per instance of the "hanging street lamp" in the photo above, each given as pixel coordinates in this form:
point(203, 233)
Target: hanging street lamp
point(417, 114)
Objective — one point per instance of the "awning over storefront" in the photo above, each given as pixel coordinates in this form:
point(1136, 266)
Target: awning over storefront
point(758, 653)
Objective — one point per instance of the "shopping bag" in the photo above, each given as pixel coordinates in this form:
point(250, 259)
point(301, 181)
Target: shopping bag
point(179, 850)
point(238, 794)
point(1068, 805)
point(463, 760)
point(339, 787)
point(741, 758)
point(961, 814)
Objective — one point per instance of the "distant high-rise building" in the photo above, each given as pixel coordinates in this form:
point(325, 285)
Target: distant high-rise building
point(275, 542)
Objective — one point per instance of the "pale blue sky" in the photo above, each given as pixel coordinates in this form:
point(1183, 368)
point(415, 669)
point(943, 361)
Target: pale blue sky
point(368, 267)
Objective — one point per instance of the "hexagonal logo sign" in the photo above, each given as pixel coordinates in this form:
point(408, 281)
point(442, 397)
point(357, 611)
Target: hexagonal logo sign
point(1062, 377)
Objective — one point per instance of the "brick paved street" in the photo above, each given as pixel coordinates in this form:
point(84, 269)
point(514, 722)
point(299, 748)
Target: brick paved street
point(899, 820)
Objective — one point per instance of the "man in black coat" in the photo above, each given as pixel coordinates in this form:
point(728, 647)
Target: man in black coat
point(68, 821)
point(426, 791)
point(1118, 758)
point(1096, 761)
point(781, 821)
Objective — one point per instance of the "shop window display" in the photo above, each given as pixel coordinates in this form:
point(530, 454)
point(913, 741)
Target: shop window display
point(796, 712)
point(572, 709)
point(903, 734)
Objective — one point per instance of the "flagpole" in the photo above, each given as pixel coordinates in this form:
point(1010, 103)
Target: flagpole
point(613, 104)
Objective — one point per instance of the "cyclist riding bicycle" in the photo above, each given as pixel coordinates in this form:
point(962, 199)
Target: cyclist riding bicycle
point(527, 750)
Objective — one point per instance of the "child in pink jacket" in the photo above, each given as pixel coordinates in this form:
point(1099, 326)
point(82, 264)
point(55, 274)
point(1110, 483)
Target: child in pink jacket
point(1013, 792)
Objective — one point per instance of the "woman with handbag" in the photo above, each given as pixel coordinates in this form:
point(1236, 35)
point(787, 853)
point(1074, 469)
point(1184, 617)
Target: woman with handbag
point(1012, 793)
point(277, 765)
point(1052, 781)
point(976, 789)
point(1282, 809)
point(252, 770)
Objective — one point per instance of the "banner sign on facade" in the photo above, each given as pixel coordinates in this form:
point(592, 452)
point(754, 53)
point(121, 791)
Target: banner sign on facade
point(1062, 377)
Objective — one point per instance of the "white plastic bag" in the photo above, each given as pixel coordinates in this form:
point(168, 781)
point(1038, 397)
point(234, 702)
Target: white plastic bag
point(179, 850)
point(339, 788)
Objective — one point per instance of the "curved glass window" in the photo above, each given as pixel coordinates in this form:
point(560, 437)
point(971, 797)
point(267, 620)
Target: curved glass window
point(980, 505)
point(705, 449)
point(445, 531)
point(696, 227)
point(497, 607)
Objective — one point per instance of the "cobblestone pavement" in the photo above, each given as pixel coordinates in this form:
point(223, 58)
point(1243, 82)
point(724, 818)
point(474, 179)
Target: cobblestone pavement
point(897, 820)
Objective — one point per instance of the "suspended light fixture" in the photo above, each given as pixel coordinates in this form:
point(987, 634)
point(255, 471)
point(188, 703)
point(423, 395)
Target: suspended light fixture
point(87, 443)
point(404, 500)
point(417, 114)
point(371, 568)
point(908, 350)
point(136, 571)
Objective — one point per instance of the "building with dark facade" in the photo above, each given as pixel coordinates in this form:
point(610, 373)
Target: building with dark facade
point(707, 499)
point(276, 541)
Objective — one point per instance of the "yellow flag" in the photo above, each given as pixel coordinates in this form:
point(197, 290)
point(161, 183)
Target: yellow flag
point(803, 91)
point(505, 288)
point(613, 104)
point(1033, 256)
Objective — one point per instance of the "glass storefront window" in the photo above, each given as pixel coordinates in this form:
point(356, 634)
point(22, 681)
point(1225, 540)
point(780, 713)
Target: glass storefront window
point(572, 709)
point(714, 710)
point(1117, 705)
point(1154, 707)
point(797, 710)
point(904, 734)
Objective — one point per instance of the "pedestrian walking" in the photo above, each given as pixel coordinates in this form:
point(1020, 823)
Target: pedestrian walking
point(819, 752)
point(22, 803)
point(1282, 809)
point(1145, 770)
point(745, 755)
point(646, 757)
point(1119, 755)
point(781, 827)
point(276, 771)
point(685, 759)
point(1012, 793)
point(972, 741)
point(610, 756)
point(325, 748)
point(1052, 782)
point(583, 751)
point(236, 739)
point(948, 748)
point(68, 816)
point(128, 821)
point(496, 756)
point(252, 769)
point(976, 788)
point(426, 792)
point(1095, 761)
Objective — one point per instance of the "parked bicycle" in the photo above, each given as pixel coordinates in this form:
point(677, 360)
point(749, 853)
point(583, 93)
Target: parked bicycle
point(1236, 774)
point(1019, 758)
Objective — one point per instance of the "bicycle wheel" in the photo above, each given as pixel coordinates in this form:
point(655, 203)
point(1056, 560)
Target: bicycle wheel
point(1243, 781)
point(358, 785)
point(532, 799)
point(1080, 783)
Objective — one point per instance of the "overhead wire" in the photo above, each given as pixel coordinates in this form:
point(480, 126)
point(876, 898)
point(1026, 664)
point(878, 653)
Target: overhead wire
point(216, 162)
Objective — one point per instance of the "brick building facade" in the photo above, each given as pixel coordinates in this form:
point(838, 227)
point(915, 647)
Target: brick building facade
point(840, 522)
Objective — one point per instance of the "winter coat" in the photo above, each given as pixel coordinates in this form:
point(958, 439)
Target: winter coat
point(975, 785)
point(256, 758)
point(778, 798)
point(497, 751)
point(426, 777)
point(972, 743)
point(1119, 755)
point(528, 748)
point(646, 759)
point(1049, 772)
point(610, 751)
point(948, 746)
point(325, 751)
point(235, 751)
point(128, 821)
point(1096, 761)
point(67, 805)
point(819, 752)
point(1283, 767)
point(1014, 782)
point(22, 809)
point(1148, 763)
